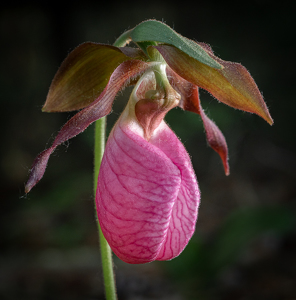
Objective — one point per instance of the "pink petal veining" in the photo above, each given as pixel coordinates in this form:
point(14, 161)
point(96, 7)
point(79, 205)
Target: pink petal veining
point(147, 195)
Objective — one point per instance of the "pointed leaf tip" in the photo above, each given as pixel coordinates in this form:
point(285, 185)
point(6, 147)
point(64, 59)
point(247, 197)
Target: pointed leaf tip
point(216, 140)
point(233, 85)
point(38, 169)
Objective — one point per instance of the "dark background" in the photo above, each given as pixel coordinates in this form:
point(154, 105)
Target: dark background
point(244, 246)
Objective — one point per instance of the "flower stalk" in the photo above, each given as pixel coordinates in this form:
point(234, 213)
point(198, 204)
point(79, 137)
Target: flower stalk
point(99, 147)
point(106, 253)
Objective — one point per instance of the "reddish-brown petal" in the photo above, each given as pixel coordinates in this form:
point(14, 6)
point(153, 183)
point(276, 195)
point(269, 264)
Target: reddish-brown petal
point(216, 139)
point(98, 109)
point(232, 85)
point(190, 101)
point(84, 74)
point(184, 88)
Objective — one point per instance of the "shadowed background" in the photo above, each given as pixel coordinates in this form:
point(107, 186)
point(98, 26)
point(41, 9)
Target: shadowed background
point(244, 246)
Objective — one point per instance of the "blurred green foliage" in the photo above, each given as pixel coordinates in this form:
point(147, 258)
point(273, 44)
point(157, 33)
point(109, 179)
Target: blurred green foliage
point(204, 261)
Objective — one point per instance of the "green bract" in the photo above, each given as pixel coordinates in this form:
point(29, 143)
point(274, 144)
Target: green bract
point(155, 31)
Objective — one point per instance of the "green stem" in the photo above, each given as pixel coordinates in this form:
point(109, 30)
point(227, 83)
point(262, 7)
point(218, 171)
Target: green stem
point(106, 253)
point(100, 136)
point(123, 39)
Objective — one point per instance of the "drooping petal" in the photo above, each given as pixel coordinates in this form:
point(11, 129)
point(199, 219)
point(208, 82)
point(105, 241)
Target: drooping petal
point(78, 123)
point(84, 74)
point(232, 85)
point(147, 195)
point(190, 101)
point(216, 139)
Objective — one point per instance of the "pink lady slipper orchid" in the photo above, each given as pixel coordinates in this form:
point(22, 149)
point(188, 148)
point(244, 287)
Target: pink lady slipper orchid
point(147, 194)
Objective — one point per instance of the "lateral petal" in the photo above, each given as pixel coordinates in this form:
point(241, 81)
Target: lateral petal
point(190, 101)
point(78, 123)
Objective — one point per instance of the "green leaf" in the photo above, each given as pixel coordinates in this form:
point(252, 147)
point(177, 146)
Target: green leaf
point(156, 31)
point(84, 74)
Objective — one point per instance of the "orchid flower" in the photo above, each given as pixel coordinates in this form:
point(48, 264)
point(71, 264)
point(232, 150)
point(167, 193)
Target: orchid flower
point(147, 193)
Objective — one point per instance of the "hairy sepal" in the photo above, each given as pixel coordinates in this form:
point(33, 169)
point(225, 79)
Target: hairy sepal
point(84, 74)
point(78, 123)
point(232, 85)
